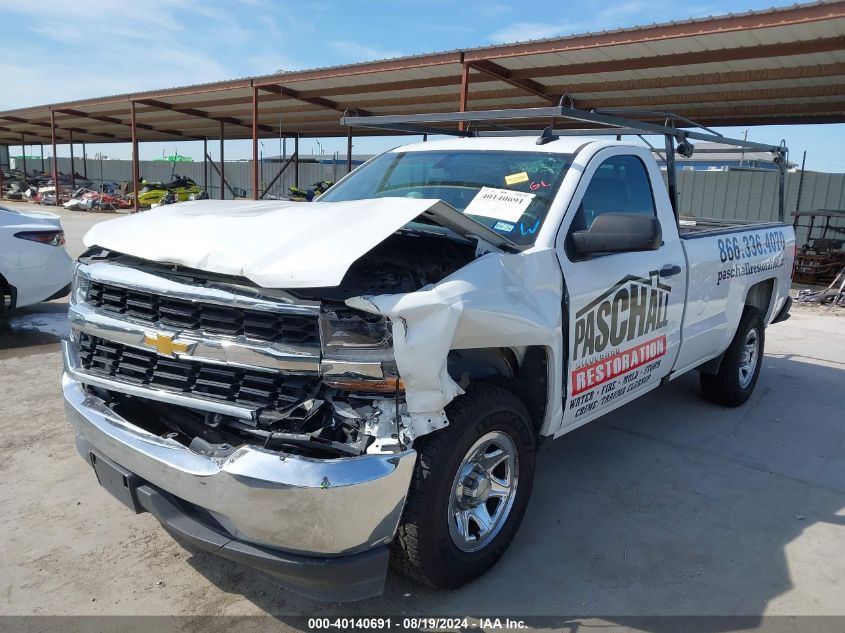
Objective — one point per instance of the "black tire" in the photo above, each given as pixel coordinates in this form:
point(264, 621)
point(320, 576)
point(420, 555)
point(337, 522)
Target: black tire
point(726, 387)
point(423, 548)
point(5, 313)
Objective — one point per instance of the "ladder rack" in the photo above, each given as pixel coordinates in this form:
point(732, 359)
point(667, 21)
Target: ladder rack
point(676, 130)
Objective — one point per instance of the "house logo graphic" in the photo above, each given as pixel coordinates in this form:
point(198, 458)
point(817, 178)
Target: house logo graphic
point(632, 308)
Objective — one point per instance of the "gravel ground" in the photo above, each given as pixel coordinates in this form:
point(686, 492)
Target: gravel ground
point(668, 506)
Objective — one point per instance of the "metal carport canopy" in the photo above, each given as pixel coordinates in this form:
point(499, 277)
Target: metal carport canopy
point(782, 65)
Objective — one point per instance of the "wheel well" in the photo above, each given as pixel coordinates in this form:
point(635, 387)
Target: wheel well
point(6, 290)
point(760, 295)
point(524, 372)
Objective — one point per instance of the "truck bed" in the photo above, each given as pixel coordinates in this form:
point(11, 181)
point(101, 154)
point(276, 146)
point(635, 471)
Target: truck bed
point(691, 228)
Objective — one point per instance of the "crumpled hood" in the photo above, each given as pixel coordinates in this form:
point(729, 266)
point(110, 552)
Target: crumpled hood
point(275, 244)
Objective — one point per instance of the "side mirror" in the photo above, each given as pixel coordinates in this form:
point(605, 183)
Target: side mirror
point(618, 232)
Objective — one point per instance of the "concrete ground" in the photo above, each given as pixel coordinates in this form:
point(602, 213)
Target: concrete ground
point(670, 505)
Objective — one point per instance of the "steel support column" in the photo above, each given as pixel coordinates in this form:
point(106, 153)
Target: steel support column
point(348, 150)
point(55, 160)
point(205, 164)
point(464, 91)
point(42, 156)
point(135, 175)
point(296, 162)
point(23, 157)
point(255, 143)
point(222, 165)
point(72, 165)
point(84, 161)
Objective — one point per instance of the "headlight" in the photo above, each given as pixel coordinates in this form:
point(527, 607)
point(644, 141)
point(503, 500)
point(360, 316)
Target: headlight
point(79, 287)
point(348, 332)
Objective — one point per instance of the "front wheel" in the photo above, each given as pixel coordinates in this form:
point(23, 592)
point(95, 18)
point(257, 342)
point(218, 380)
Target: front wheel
point(470, 489)
point(733, 384)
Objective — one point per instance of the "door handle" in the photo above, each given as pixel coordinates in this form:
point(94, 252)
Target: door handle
point(670, 270)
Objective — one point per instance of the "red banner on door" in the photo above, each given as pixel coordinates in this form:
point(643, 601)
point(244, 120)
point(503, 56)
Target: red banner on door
point(599, 372)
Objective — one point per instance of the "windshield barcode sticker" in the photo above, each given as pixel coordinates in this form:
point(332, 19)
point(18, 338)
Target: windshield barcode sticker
point(499, 204)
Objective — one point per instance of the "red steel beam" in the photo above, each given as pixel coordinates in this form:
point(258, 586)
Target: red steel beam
point(255, 143)
point(55, 160)
point(348, 149)
point(135, 175)
point(390, 86)
point(503, 74)
point(626, 86)
point(732, 97)
point(16, 119)
point(72, 166)
point(743, 76)
point(408, 63)
point(770, 18)
point(821, 45)
point(464, 96)
point(194, 112)
point(222, 163)
point(23, 156)
point(320, 102)
point(746, 111)
point(115, 121)
point(711, 79)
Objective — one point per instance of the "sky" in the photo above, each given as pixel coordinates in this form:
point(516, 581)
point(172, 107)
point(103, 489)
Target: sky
point(54, 50)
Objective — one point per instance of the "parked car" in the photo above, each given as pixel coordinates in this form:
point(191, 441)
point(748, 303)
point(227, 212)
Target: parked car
point(34, 265)
point(314, 391)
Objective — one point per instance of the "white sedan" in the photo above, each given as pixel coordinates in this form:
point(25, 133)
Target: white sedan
point(34, 265)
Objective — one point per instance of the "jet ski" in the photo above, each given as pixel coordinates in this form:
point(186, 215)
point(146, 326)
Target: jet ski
point(307, 195)
point(153, 192)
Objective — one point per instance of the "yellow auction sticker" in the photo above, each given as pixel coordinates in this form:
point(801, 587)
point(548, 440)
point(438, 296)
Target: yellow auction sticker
point(515, 179)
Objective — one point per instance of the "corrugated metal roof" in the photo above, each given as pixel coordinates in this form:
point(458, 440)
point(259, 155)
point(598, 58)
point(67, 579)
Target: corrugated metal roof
point(782, 65)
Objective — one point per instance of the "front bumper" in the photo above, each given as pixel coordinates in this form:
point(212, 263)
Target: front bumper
point(296, 506)
point(339, 578)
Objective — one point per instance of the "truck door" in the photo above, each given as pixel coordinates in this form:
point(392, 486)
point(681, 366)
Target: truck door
point(625, 308)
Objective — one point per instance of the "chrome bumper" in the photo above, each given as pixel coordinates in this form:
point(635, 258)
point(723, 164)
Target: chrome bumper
point(307, 506)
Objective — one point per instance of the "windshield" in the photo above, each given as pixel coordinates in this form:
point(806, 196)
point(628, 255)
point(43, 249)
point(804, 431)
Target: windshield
point(509, 192)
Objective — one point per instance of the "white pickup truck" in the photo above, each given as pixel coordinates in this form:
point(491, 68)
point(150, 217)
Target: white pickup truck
point(315, 390)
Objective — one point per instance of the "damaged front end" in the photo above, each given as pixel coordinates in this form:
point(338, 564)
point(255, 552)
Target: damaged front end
point(261, 419)
point(298, 371)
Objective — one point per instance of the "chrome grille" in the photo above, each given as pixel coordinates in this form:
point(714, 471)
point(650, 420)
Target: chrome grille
point(273, 327)
point(245, 387)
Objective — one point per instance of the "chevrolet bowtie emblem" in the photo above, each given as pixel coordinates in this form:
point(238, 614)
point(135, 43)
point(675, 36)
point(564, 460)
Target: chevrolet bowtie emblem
point(164, 344)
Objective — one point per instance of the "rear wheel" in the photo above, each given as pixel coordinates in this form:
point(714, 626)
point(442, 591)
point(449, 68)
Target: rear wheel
point(740, 368)
point(470, 489)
